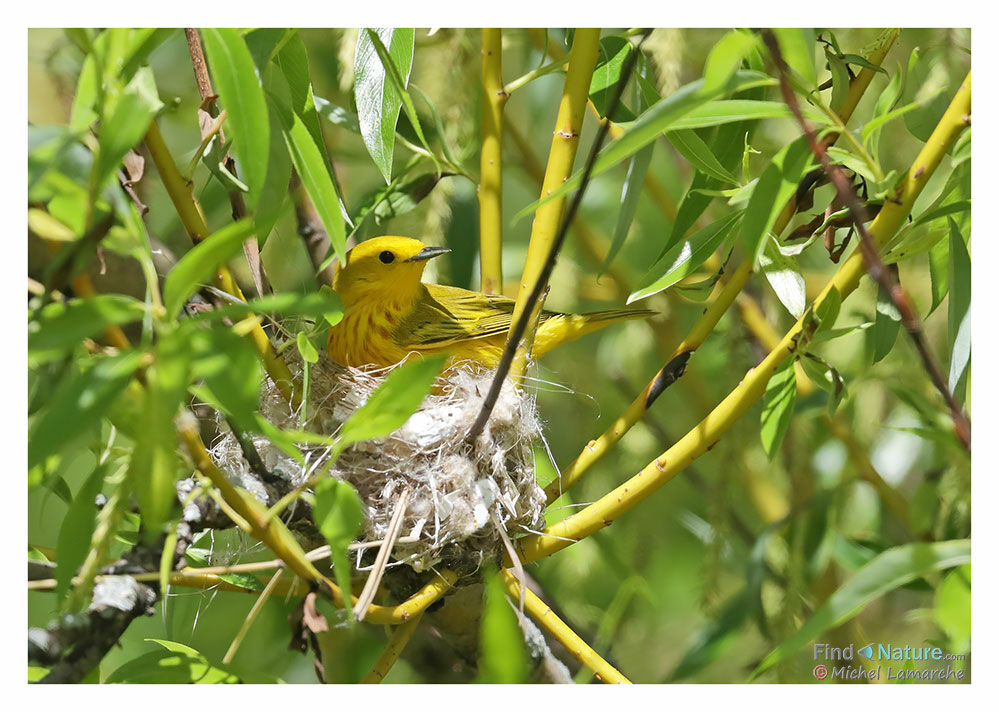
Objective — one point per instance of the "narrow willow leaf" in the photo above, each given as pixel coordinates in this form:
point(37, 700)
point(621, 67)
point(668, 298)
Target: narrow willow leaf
point(391, 404)
point(797, 45)
point(960, 355)
point(840, 79)
point(726, 111)
point(725, 58)
point(337, 115)
point(60, 326)
point(339, 515)
point(502, 658)
point(164, 666)
point(242, 95)
point(274, 191)
point(960, 282)
point(924, 79)
point(76, 530)
point(198, 265)
point(127, 124)
point(631, 191)
point(647, 127)
point(231, 370)
point(318, 182)
point(155, 464)
point(887, 321)
point(691, 147)
point(886, 572)
point(682, 259)
point(614, 50)
point(785, 278)
point(959, 306)
point(939, 258)
point(877, 122)
point(378, 102)
point(78, 402)
point(778, 407)
point(776, 186)
point(325, 304)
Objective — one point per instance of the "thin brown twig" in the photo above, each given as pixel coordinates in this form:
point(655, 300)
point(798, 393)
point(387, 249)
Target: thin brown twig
point(868, 247)
point(208, 96)
point(519, 328)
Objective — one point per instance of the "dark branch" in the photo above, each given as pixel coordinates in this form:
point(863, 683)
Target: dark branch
point(518, 329)
point(869, 249)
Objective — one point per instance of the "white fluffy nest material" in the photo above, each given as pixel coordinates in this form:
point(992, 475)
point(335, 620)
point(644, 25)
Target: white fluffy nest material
point(459, 493)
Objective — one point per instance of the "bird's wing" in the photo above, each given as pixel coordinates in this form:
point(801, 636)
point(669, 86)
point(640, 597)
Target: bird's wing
point(445, 315)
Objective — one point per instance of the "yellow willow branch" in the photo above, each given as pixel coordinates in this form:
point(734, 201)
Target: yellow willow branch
point(397, 643)
point(721, 299)
point(562, 155)
point(275, 536)
point(194, 223)
point(704, 435)
point(491, 166)
point(546, 618)
point(754, 319)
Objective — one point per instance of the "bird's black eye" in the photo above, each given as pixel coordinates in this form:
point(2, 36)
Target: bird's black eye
point(386, 257)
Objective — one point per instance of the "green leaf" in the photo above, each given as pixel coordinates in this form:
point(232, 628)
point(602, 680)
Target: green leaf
point(778, 407)
point(887, 571)
point(930, 85)
point(197, 266)
point(727, 111)
point(337, 115)
point(60, 326)
point(324, 304)
point(682, 259)
point(631, 191)
point(952, 607)
point(391, 404)
point(242, 95)
point(939, 258)
point(960, 355)
point(840, 79)
point(691, 147)
point(318, 182)
point(274, 191)
point(78, 402)
point(647, 127)
point(126, 126)
point(887, 321)
point(614, 50)
point(306, 348)
point(959, 304)
point(177, 664)
point(339, 515)
point(776, 186)
point(502, 658)
point(797, 46)
point(231, 370)
point(76, 530)
point(785, 278)
point(155, 464)
point(378, 102)
point(398, 197)
point(725, 58)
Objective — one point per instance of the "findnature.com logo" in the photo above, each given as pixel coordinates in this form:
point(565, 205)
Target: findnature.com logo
point(904, 658)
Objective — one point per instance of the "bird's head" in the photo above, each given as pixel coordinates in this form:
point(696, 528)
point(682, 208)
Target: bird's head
point(387, 267)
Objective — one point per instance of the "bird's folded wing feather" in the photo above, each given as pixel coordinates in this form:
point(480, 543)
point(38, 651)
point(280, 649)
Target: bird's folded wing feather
point(448, 314)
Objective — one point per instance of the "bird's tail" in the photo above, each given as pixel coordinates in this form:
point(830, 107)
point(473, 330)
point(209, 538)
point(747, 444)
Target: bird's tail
point(559, 328)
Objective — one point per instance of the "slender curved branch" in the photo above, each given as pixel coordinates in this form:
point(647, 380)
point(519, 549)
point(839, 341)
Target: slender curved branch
point(704, 435)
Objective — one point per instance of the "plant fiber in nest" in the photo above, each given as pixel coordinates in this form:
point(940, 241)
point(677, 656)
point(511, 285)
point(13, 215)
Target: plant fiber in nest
point(460, 493)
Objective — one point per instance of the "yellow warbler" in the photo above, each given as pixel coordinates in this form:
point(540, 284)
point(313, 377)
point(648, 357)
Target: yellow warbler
point(391, 313)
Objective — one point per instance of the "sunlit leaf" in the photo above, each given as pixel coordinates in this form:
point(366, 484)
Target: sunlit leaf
point(785, 278)
point(502, 658)
point(776, 186)
point(378, 102)
point(60, 326)
point(778, 407)
point(197, 266)
point(242, 97)
point(681, 260)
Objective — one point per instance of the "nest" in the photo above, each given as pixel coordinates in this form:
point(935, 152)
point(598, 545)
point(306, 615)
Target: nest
point(464, 498)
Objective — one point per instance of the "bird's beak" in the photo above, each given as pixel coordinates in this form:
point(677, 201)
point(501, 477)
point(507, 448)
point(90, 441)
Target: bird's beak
point(426, 253)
